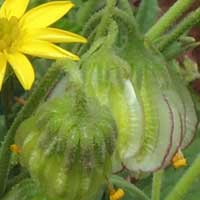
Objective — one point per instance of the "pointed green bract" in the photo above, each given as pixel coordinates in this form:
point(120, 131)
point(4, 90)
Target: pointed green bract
point(147, 14)
point(108, 80)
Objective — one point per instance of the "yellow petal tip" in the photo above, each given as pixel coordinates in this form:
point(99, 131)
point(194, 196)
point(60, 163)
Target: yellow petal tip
point(28, 85)
point(70, 4)
point(73, 5)
point(84, 40)
point(76, 58)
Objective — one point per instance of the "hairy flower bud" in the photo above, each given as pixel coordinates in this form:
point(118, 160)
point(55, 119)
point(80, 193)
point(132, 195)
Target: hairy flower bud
point(67, 145)
point(107, 77)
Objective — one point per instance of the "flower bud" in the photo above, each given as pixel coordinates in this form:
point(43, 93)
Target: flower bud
point(67, 145)
point(107, 77)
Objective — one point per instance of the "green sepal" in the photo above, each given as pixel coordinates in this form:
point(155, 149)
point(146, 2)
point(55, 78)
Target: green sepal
point(147, 14)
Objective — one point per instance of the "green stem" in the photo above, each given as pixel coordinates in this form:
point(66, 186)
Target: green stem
point(85, 47)
point(86, 11)
point(104, 15)
point(113, 31)
point(185, 183)
point(36, 97)
point(129, 188)
point(156, 186)
point(117, 13)
point(130, 22)
point(125, 5)
point(111, 36)
point(102, 27)
point(89, 27)
point(192, 19)
point(168, 19)
point(7, 97)
point(92, 22)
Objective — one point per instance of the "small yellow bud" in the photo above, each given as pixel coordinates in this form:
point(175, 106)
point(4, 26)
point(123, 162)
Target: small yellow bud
point(179, 160)
point(180, 163)
point(15, 148)
point(117, 195)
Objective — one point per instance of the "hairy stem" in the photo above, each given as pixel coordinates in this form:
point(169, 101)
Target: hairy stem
point(168, 19)
point(89, 27)
point(125, 5)
point(85, 11)
point(7, 97)
point(85, 47)
point(185, 183)
point(102, 27)
point(156, 186)
point(130, 22)
point(192, 19)
point(34, 100)
point(120, 182)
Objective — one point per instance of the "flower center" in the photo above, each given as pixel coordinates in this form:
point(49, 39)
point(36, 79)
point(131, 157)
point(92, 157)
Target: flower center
point(9, 31)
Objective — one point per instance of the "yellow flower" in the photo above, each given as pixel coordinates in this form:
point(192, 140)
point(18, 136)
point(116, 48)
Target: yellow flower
point(29, 33)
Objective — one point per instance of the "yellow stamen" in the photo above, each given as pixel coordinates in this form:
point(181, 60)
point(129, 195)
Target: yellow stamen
point(117, 194)
point(179, 160)
point(15, 148)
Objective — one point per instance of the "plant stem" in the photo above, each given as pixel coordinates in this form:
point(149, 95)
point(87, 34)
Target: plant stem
point(126, 7)
point(82, 49)
point(192, 19)
point(92, 22)
point(102, 27)
point(130, 22)
point(168, 19)
point(86, 11)
point(89, 27)
point(35, 99)
point(156, 186)
point(7, 97)
point(132, 189)
point(185, 183)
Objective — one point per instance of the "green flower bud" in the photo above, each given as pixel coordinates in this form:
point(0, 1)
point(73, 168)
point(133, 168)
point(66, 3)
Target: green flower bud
point(151, 114)
point(107, 77)
point(169, 114)
point(67, 145)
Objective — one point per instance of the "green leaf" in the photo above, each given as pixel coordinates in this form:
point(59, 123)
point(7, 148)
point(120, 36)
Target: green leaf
point(147, 14)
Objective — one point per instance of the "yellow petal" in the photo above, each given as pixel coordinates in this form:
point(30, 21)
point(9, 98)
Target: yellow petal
point(45, 49)
point(13, 8)
point(57, 35)
point(22, 68)
point(3, 63)
point(46, 14)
